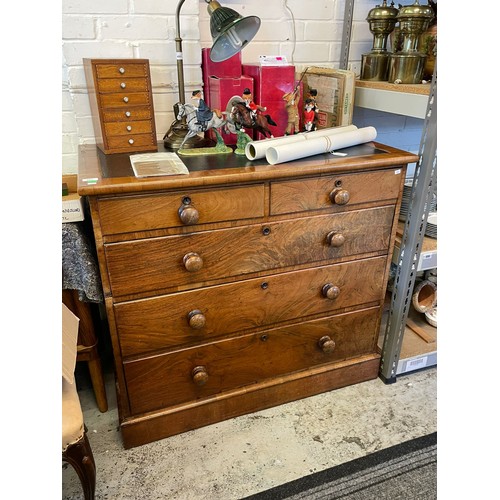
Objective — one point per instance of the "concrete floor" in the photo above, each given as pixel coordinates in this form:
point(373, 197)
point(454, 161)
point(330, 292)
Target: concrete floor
point(248, 454)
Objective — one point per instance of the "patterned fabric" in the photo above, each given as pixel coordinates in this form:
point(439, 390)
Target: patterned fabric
point(79, 263)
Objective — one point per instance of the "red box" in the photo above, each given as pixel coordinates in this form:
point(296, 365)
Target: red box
point(221, 91)
point(270, 82)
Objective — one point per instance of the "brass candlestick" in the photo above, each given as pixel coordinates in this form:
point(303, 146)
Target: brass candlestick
point(407, 66)
point(375, 64)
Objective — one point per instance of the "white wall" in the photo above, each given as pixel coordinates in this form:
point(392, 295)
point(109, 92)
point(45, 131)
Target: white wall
point(306, 32)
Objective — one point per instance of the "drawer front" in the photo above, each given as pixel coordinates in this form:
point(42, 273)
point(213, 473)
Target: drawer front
point(157, 263)
point(127, 114)
point(131, 142)
point(165, 380)
point(125, 70)
point(143, 213)
point(203, 314)
point(126, 99)
point(123, 85)
point(128, 128)
point(334, 191)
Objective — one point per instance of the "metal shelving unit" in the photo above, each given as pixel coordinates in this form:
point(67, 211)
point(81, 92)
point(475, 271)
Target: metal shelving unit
point(410, 249)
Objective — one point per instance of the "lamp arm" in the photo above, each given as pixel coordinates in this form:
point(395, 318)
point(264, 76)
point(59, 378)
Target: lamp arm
point(178, 52)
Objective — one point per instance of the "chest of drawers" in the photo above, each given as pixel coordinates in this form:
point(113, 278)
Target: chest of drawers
point(241, 286)
point(121, 103)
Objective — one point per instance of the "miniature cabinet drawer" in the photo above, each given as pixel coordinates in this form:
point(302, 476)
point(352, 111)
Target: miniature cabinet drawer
point(123, 85)
point(168, 379)
point(127, 114)
point(149, 265)
point(124, 99)
point(318, 193)
point(121, 69)
point(156, 211)
point(126, 142)
point(128, 128)
point(201, 315)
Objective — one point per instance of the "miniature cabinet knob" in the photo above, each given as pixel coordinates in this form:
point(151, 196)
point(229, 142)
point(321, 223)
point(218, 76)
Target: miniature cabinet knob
point(129, 128)
point(125, 99)
point(123, 85)
point(188, 215)
point(192, 262)
point(131, 141)
point(122, 70)
point(127, 114)
point(199, 375)
point(330, 291)
point(196, 319)
point(339, 196)
point(326, 344)
point(335, 239)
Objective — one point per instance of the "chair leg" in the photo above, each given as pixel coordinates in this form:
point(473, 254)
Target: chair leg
point(96, 376)
point(79, 456)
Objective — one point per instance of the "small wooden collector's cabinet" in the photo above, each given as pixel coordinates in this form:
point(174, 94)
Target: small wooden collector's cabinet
point(234, 289)
point(121, 103)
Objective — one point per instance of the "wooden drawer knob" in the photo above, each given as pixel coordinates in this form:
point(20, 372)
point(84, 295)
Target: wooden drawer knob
point(188, 215)
point(335, 239)
point(199, 375)
point(339, 196)
point(196, 319)
point(330, 291)
point(326, 344)
point(192, 262)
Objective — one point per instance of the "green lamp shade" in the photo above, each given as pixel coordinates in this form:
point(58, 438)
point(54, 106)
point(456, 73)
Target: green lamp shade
point(230, 32)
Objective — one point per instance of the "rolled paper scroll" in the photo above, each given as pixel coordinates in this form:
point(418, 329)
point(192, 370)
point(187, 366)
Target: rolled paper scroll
point(293, 151)
point(257, 149)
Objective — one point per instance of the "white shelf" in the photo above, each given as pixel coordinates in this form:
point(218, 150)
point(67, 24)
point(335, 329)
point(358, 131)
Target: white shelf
point(407, 100)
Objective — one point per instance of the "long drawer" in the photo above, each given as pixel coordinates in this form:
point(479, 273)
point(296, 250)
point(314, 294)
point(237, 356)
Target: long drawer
point(202, 371)
point(336, 191)
point(156, 211)
point(204, 314)
point(158, 263)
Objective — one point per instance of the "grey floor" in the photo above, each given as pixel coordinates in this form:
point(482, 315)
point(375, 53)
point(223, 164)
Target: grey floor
point(248, 454)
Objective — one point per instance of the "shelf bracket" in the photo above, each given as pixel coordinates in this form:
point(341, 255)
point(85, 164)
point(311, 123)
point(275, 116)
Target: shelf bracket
point(346, 33)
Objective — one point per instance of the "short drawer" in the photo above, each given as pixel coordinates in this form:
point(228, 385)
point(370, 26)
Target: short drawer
point(128, 128)
point(338, 191)
point(131, 142)
point(123, 70)
point(203, 371)
point(203, 314)
point(158, 263)
point(127, 114)
point(181, 208)
point(118, 100)
point(123, 85)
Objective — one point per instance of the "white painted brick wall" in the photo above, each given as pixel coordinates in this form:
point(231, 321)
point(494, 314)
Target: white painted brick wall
point(146, 29)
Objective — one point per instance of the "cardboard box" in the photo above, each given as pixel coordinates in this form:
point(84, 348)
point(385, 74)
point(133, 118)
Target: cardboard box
point(335, 98)
point(70, 324)
point(72, 204)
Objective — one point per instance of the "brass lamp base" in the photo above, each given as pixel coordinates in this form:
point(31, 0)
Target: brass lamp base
point(176, 134)
point(375, 66)
point(406, 67)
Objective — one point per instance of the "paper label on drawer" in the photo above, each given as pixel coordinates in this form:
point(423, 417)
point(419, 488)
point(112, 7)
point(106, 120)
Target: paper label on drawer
point(398, 171)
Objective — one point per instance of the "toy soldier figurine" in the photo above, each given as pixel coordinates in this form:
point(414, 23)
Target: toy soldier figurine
point(309, 116)
point(291, 99)
point(247, 97)
point(203, 113)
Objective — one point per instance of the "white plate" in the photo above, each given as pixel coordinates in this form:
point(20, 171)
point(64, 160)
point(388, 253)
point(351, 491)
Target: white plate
point(433, 218)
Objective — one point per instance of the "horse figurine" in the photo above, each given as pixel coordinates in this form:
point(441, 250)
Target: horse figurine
point(189, 112)
point(240, 116)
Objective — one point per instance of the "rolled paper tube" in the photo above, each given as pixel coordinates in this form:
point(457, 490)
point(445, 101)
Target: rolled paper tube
point(301, 149)
point(257, 149)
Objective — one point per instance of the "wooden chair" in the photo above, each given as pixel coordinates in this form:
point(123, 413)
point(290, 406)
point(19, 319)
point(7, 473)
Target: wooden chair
point(76, 449)
point(87, 345)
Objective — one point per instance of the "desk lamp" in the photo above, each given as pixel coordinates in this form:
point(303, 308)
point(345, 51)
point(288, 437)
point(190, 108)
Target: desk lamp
point(230, 33)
